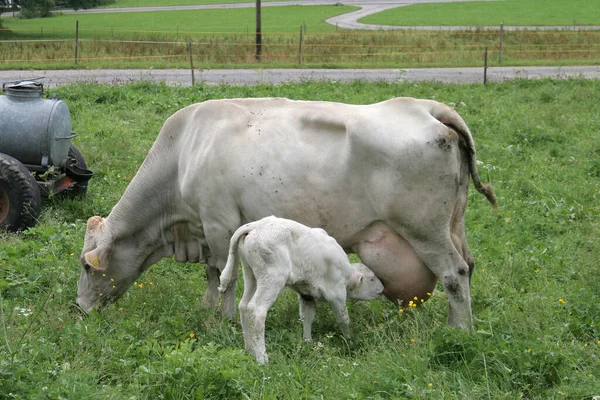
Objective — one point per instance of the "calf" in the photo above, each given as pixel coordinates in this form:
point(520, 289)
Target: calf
point(276, 253)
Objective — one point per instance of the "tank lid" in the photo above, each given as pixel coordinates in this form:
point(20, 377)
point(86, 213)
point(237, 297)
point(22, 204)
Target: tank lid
point(24, 87)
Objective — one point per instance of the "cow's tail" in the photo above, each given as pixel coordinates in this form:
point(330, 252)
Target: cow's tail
point(229, 275)
point(449, 117)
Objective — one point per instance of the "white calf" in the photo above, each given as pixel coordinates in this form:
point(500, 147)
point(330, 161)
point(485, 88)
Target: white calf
point(276, 253)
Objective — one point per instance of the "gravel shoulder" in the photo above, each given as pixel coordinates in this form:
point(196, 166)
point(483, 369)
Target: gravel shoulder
point(55, 78)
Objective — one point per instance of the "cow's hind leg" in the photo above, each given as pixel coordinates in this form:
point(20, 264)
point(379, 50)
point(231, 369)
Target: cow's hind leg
point(443, 259)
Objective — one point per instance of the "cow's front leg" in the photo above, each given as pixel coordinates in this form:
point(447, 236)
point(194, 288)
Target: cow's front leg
point(307, 315)
point(211, 296)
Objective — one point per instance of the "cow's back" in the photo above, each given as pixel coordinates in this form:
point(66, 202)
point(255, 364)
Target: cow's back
point(328, 165)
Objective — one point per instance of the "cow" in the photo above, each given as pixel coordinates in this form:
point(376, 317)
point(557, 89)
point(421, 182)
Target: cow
point(389, 181)
point(276, 253)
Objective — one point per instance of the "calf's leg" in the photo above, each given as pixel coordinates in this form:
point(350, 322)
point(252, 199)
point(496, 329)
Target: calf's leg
point(266, 293)
point(338, 306)
point(249, 291)
point(307, 315)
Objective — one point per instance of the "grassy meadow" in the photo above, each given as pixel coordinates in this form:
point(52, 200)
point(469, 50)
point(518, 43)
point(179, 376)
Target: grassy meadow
point(509, 12)
point(535, 291)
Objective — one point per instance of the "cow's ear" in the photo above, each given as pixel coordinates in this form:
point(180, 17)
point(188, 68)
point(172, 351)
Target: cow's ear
point(94, 223)
point(93, 259)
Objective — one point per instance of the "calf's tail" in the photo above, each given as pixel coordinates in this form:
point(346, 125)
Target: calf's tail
point(447, 116)
point(228, 277)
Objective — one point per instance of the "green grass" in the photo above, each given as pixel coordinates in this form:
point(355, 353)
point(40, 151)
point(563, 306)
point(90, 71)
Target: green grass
point(509, 12)
point(152, 3)
point(538, 143)
point(274, 20)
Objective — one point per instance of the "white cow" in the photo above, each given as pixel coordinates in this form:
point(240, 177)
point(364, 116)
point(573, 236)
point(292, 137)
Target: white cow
point(388, 181)
point(278, 252)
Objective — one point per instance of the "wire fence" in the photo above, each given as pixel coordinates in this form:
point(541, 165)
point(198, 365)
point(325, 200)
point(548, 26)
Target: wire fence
point(110, 47)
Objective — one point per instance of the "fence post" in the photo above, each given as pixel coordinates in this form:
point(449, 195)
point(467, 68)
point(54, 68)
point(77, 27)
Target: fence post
point(300, 47)
point(76, 39)
point(485, 66)
point(501, 42)
point(191, 63)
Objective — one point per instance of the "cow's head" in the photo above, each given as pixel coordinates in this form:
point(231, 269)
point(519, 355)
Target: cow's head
point(363, 285)
point(108, 268)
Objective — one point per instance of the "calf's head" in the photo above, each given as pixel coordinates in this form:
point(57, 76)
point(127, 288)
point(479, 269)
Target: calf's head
point(108, 268)
point(363, 285)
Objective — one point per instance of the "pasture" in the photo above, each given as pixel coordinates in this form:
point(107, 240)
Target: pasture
point(535, 290)
point(509, 12)
point(225, 39)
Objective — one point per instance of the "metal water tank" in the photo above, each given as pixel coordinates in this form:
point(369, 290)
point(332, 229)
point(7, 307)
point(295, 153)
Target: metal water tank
point(33, 130)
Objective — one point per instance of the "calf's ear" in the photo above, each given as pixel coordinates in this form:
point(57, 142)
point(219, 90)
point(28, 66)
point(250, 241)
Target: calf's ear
point(355, 281)
point(93, 259)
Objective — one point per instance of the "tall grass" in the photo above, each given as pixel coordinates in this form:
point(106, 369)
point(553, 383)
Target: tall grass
point(535, 292)
point(343, 49)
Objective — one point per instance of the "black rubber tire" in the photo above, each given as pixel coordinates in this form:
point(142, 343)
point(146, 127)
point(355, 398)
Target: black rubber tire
point(76, 158)
point(20, 200)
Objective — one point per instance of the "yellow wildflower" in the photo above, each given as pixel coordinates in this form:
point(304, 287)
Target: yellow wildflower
point(428, 294)
point(412, 340)
point(430, 385)
point(192, 335)
point(561, 301)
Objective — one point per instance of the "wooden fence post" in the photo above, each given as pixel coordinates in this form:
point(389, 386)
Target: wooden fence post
point(485, 66)
point(300, 47)
point(191, 63)
point(501, 42)
point(76, 39)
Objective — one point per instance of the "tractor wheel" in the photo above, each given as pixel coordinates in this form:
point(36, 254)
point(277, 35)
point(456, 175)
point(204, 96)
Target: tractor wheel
point(19, 195)
point(75, 158)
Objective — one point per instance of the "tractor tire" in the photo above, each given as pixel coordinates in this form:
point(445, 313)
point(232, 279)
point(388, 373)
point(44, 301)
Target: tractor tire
point(20, 200)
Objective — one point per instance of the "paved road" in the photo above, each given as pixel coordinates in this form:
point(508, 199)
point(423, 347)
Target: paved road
point(278, 76)
point(346, 21)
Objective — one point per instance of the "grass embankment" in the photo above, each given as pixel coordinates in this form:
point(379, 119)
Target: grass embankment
point(492, 13)
point(535, 291)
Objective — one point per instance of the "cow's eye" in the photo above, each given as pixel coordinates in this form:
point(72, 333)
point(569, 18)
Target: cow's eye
point(87, 267)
